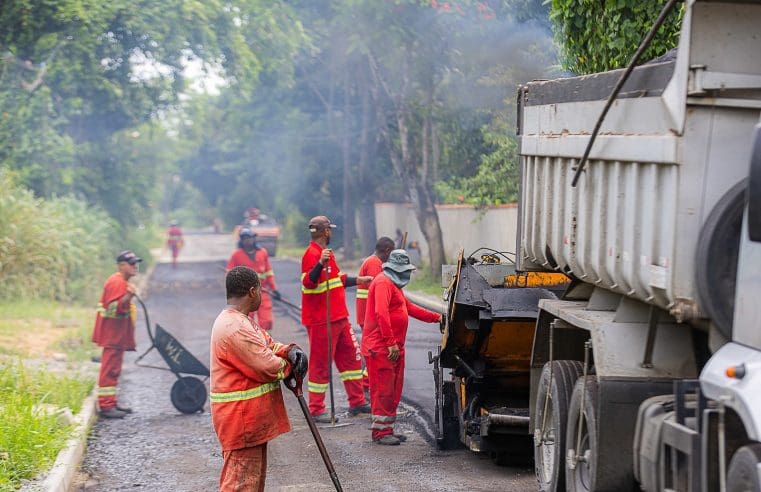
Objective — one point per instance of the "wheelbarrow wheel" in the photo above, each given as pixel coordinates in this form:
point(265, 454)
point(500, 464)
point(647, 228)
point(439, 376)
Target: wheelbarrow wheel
point(188, 394)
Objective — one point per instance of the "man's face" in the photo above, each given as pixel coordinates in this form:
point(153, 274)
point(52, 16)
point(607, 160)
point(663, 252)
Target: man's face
point(248, 242)
point(128, 270)
point(328, 233)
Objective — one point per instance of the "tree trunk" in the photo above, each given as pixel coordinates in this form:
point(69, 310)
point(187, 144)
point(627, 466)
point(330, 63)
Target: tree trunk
point(366, 189)
point(348, 209)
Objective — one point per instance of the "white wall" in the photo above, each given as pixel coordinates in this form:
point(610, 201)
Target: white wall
point(462, 226)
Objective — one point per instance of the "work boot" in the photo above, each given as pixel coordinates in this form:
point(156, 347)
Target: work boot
point(123, 409)
point(360, 411)
point(401, 437)
point(112, 413)
point(388, 440)
point(323, 418)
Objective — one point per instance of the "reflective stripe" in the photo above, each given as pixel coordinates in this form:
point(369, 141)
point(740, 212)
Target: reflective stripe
point(362, 293)
point(106, 390)
point(322, 287)
point(277, 346)
point(281, 372)
point(266, 274)
point(379, 426)
point(317, 387)
point(383, 418)
point(351, 375)
point(244, 395)
point(110, 312)
point(365, 373)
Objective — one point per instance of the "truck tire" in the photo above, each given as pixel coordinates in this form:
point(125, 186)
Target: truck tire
point(555, 383)
point(449, 431)
point(743, 475)
point(716, 258)
point(583, 476)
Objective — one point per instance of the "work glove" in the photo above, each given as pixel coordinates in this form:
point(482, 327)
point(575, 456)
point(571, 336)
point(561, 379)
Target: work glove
point(276, 295)
point(298, 360)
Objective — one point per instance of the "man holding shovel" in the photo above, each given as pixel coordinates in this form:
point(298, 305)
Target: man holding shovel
point(323, 311)
point(246, 369)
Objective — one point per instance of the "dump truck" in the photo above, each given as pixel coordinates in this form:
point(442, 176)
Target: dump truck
point(646, 371)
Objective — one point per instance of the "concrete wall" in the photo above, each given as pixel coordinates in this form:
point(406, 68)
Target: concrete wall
point(462, 226)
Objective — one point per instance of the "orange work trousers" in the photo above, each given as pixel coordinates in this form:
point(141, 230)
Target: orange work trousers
point(244, 469)
point(110, 370)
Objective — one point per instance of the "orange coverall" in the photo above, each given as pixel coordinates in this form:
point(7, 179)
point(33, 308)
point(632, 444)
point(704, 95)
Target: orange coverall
point(386, 320)
point(115, 332)
point(247, 406)
point(314, 316)
point(372, 266)
point(260, 263)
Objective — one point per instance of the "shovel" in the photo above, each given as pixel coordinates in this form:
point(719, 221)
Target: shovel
point(294, 384)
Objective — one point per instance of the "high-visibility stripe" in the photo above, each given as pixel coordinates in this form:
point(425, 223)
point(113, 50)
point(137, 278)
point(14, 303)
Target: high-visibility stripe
point(281, 371)
point(110, 311)
point(106, 391)
point(362, 293)
point(379, 426)
point(365, 373)
point(351, 375)
point(266, 274)
point(322, 287)
point(248, 394)
point(383, 418)
point(277, 346)
point(317, 387)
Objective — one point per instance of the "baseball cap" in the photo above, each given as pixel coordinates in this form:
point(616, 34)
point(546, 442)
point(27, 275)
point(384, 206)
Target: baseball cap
point(129, 257)
point(320, 222)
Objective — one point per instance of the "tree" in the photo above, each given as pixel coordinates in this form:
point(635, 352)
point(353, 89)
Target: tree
point(596, 36)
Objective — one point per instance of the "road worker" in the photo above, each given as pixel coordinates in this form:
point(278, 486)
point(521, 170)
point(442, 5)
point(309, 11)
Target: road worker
point(383, 337)
point(323, 283)
point(174, 241)
point(247, 366)
point(371, 267)
point(115, 332)
point(250, 254)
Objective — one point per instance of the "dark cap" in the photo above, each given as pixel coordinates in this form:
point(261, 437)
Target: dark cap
point(320, 222)
point(246, 232)
point(129, 257)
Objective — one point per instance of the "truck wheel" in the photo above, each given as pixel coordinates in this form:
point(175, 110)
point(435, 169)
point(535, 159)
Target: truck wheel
point(582, 476)
point(743, 475)
point(554, 393)
point(449, 431)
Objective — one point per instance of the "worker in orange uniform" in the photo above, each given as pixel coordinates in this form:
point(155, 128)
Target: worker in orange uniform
point(250, 254)
point(247, 366)
point(174, 241)
point(320, 278)
point(115, 332)
point(371, 267)
point(383, 337)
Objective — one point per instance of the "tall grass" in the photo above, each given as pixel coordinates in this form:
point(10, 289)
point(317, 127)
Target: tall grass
point(31, 439)
point(52, 249)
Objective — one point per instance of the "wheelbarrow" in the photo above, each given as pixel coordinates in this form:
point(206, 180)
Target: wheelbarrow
point(188, 393)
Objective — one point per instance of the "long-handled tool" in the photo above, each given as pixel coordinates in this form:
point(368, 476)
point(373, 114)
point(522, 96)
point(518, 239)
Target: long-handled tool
point(330, 350)
point(294, 384)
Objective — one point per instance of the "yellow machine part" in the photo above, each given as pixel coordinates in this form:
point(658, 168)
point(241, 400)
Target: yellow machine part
point(536, 279)
point(509, 345)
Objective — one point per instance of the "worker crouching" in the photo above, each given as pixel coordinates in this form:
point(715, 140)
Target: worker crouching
point(383, 337)
point(246, 369)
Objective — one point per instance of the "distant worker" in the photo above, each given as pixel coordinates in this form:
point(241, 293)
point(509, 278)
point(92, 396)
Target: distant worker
point(115, 332)
point(322, 282)
point(247, 366)
point(371, 267)
point(174, 241)
point(383, 337)
point(251, 255)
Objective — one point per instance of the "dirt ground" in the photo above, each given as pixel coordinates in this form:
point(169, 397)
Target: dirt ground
point(157, 448)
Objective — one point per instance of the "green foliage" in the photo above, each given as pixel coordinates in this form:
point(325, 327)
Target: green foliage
point(595, 36)
point(30, 436)
point(58, 249)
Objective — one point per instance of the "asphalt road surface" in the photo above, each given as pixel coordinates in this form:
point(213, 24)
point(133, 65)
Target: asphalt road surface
point(157, 448)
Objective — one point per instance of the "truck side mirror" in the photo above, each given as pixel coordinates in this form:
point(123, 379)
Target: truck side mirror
point(754, 187)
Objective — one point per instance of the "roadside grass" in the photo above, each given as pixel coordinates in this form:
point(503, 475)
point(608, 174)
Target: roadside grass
point(423, 281)
point(31, 384)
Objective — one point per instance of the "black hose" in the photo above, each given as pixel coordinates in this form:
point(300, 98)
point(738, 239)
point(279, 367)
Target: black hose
point(619, 85)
